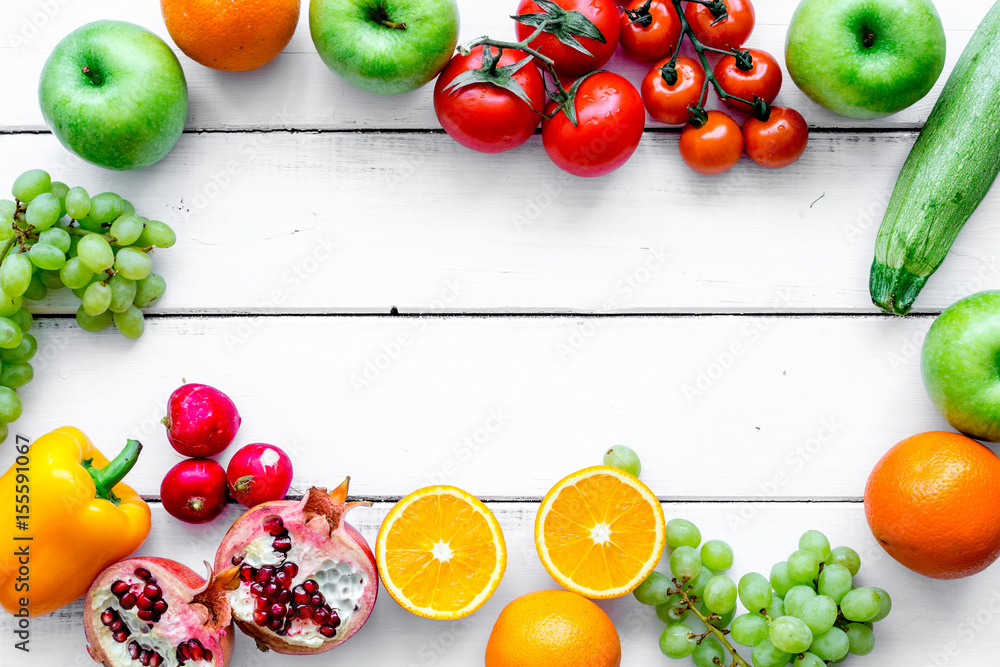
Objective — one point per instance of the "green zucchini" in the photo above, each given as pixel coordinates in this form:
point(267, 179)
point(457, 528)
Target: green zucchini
point(949, 170)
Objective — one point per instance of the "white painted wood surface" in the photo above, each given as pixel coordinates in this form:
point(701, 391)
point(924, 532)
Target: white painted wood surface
point(722, 327)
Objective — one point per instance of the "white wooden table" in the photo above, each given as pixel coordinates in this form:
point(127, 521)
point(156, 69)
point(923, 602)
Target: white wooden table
point(374, 314)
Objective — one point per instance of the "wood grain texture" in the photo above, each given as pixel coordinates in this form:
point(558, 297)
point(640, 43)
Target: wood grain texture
point(931, 621)
point(312, 97)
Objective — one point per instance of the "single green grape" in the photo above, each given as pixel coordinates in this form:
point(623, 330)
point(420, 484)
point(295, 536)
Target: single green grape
point(776, 608)
point(720, 594)
point(10, 405)
point(720, 620)
point(682, 533)
point(696, 587)
point(93, 323)
point(847, 557)
point(790, 634)
point(133, 263)
point(9, 305)
point(91, 226)
point(149, 290)
point(803, 567)
point(819, 613)
point(781, 581)
point(861, 638)
point(105, 207)
point(621, 457)
point(677, 641)
point(23, 352)
point(15, 274)
point(831, 645)
point(654, 590)
point(707, 653)
point(74, 274)
point(884, 605)
point(835, 581)
point(7, 210)
point(47, 257)
point(3, 432)
point(717, 555)
point(815, 543)
point(860, 605)
point(122, 293)
point(58, 237)
point(77, 203)
point(755, 591)
point(797, 598)
point(23, 319)
point(30, 184)
point(766, 654)
point(808, 660)
point(156, 233)
point(96, 299)
point(673, 610)
point(50, 279)
point(10, 334)
point(749, 629)
point(16, 374)
point(43, 211)
point(126, 229)
point(95, 253)
point(127, 207)
point(131, 323)
point(685, 563)
point(36, 288)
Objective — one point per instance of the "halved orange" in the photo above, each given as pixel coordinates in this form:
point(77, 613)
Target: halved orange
point(600, 532)
point(441, 553)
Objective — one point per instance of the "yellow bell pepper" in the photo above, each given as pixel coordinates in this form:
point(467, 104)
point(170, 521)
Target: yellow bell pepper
point(64, 517)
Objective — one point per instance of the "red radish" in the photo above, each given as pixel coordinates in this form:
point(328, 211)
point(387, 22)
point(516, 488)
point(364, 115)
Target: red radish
point(259, 473)
point(194, 490)
point(201, 420)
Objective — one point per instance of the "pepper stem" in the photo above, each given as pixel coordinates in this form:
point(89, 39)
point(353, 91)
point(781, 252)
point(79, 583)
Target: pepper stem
point(107, 477)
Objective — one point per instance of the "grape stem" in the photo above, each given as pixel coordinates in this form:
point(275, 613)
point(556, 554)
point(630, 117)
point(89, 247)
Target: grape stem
point(720, 634)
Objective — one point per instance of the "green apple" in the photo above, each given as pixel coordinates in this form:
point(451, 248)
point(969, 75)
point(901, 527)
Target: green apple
point(385, 46)
point(114, 94)
point(865, 59)
point(960, 363)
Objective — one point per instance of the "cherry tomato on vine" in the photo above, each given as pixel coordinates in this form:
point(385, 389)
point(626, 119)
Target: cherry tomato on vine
point(729, 33)
point(778, 141)
point(668, 103)
point(567, 60)
point(486, 117)
point(650, 29)
point(763, 79)
point(714, 147)
point(610, 121)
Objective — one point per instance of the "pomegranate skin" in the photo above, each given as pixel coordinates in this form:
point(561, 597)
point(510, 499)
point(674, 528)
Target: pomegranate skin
point(259, 473)
point(316, 522)
point(201, 420)
point(194, 490)
point(197, 609)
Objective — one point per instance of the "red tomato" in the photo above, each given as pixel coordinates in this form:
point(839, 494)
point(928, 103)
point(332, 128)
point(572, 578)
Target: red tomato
point(610, 121)
point(763, 79)
point(668, 103)
point(486, 117)
point(729, 33)
point(778, 141)
point(654, 40)
point(567, 60)
point(714, 147)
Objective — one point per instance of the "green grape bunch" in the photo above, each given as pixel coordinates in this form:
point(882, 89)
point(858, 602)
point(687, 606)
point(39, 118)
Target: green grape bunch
point(56, 236)
point(808, 613)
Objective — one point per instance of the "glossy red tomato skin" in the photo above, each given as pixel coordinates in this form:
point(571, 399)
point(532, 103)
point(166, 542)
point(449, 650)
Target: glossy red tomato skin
point(655, 41)
point(730, 33)
point(610, 122)
point(778, 141)
point(713, 148)
point(668, 103)
point(567, 60)
point(484, 117)
point(762, 80)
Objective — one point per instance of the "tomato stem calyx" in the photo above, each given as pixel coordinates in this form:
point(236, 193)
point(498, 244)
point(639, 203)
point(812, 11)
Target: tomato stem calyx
point(640, 16)
point(718, 8)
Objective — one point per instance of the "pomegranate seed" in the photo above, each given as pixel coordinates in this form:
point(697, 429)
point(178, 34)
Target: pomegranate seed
point(278, 610)
point(264, 574)
point(320, 616)
point(119, 588)
point(318, 600)
point(155, 660)
point(116, 625)
point(145, 657)
point(276, 624)
point(207, 657)
point(160, 606)
point(133, 649)
point(127, 601)
point(282, 544)
point(183, 653)
point(247, 574)
point(334, 619)
point(257, 589)
point(143, 602)
point(121, 636)
point(108, 616)
point(271, 591)
point(197, 650)
point(236, 560)
point(291, 569)
point(152, 591)
point(300, 595)
point(310, 586)
point(273, 525)
point(145, 614)
point(282, 579)
point(262, 604)
point(261, 618)
point(303, 611)
point(143, 573)
point(284, 596)
point(327, 631)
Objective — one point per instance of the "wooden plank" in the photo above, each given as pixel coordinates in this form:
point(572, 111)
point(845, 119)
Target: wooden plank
point(310, 96)
point(778, 407)
point(931, 620)
point(368, 222)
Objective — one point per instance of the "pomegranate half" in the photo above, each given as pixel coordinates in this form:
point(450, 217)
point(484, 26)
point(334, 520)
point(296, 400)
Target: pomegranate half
point(156, 612)
point(307, 578)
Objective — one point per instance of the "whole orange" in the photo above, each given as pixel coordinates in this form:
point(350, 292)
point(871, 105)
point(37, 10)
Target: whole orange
point(232, 35)
point(933, 503)
point(553, 628)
